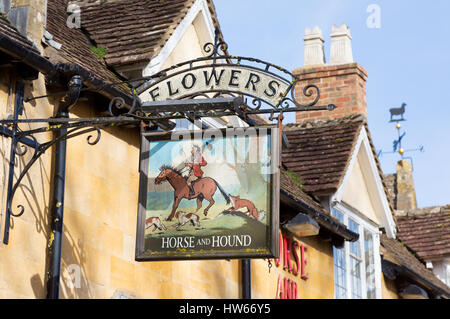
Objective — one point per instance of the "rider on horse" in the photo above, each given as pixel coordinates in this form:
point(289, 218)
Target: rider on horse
point(195, 173)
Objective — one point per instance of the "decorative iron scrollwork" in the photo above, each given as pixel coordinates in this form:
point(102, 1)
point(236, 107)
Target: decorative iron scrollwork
point(215, 57)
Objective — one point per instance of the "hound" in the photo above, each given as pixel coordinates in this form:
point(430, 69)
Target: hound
point(156, 222)
point(183, 218)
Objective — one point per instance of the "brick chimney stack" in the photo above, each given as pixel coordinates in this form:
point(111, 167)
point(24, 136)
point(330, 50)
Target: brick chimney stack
point(341, 82)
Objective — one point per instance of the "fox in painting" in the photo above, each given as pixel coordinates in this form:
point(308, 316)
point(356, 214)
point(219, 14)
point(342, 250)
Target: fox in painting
point(245, 203)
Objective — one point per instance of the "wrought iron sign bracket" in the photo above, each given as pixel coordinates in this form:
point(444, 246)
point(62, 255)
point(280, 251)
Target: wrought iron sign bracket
point(215, 85)
point(24, 140)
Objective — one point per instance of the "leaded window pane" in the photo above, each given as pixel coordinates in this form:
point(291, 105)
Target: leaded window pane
point(354, 246)
point(340, 272)
point(370, 265)
point(340, 282)
point(355, 274)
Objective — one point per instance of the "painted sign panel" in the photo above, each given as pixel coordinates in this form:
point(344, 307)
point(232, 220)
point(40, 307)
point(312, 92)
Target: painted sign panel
point(209, 194)
point(232, 78)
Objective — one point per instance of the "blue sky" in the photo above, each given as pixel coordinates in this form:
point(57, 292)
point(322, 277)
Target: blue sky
point(407, 58)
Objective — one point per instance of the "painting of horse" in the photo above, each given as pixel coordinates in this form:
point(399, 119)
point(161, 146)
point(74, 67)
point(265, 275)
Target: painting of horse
point(204, 189)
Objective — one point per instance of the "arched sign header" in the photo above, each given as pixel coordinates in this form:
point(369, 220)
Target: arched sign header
point(232, 78)
point(269, 87)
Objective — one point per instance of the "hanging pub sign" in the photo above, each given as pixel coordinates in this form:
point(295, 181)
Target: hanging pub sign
point(209, 194)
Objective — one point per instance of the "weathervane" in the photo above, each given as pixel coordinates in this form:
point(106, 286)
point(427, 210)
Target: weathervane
point(397, 144)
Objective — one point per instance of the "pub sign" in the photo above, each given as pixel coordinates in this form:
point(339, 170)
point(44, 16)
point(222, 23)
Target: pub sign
point(208, 194)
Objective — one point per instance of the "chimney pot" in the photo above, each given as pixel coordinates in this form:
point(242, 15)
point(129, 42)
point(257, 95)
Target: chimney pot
point(314, 53)
point(342, 82)
point(341, 45)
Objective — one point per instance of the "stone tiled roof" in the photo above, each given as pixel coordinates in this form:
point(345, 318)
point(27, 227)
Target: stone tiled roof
point(396, 252)
point(135, 31)
point(290, 186)
point(130, 31)
point(76, 46)
point(384, 182)
point(320, 151)
point(9, 31)
point(295, 190)
point(426, 231)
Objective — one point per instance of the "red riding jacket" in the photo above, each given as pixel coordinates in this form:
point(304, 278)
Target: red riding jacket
point(196, 166)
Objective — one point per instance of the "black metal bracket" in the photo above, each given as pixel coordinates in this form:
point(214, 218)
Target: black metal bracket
point(23, 140)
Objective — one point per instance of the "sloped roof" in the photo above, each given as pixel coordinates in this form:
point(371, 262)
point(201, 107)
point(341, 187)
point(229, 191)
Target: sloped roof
point(395, 252)
point(9, 31)
point(426, 231)
point(391, 181)
point(384, 182)
point(130, 31)
point(75, 44)
point(290, 186)
point(135, 31)
point(320, 151)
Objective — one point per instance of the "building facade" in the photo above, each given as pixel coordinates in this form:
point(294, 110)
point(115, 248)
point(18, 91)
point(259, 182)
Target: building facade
point(330, 172)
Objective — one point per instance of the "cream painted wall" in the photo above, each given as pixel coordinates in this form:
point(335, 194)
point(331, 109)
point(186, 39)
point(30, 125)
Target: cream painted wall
point(185, 50)
point(356, 193)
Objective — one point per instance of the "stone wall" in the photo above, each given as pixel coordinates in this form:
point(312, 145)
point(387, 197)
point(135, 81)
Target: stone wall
point(406, 194)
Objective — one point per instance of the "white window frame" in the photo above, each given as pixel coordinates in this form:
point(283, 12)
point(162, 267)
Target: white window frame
point(371, 227)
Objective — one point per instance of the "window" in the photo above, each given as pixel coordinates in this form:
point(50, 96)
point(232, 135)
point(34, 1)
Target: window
point(340, 281)
point(357, 268)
